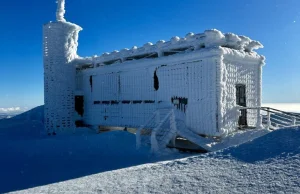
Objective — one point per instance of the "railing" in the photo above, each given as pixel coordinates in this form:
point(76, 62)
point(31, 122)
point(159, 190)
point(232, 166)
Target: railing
point(157, 121)
point(272, 118)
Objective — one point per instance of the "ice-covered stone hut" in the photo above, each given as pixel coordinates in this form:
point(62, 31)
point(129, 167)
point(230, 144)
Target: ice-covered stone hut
point(204, 78)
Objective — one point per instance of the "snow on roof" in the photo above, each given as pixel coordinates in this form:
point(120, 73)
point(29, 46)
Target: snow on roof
point(208, 39)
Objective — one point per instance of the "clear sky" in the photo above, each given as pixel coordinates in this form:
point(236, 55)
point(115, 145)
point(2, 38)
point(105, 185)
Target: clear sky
point(116, 24)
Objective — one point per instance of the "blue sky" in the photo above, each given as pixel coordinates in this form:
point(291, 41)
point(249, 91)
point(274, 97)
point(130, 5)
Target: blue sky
point(116, 24)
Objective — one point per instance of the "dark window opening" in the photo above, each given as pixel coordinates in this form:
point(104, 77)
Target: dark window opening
point(137, 101)
point(112, 62)
point(175, 51)
point(79, 105)
point(241, 101)
point(91, 83)
point(97, 102)
point(80, 123)
point(126, 102)
point(149, 101)
point(105, 102)
point(114, 102)
point(156, 81)
point(145, 56)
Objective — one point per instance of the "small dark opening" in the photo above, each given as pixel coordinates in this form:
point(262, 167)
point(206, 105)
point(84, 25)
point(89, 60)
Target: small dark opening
point(79, 104)
point(241, 100)
point(180, 103)
point(149, 101)
point(114, 102)
point(79, 123)
point(175, 51)
point(145, 56)
point(112, 62)
point(137, 101)
point(126, 102)
point(91, 83)
point(156, 81)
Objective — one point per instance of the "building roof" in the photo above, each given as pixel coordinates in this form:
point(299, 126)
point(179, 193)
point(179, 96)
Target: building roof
point(208, 39)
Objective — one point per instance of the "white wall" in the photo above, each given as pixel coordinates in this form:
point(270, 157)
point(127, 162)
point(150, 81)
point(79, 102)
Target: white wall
point(238, 71)
point(60, 46)
point(193, 79)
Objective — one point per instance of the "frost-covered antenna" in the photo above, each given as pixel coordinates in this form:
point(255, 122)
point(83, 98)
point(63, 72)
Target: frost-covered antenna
point(60, 12)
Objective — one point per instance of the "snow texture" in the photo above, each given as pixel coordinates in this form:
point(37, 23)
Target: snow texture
point(60, 48)
point(217, 69)
point(60, 13)
point(27, 125)
point(238, 68)
point(208, 39)
point(269, 164)
point(31, 158)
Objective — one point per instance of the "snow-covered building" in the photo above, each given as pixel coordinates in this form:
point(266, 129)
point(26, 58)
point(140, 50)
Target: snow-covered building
point(205, 77)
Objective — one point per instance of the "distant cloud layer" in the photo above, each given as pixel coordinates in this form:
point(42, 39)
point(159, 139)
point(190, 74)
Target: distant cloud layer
point(290, 107)
point(13, 109)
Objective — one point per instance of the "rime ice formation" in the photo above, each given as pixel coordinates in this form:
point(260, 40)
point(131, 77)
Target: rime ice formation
point(60, 12)
point(201, 75)
point(208, 39)
point(60, 48)
point(124, 95)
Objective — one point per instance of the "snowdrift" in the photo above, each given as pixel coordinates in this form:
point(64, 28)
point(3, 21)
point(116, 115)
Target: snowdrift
point(278, 144)
point(269, 164)
point(107, 163)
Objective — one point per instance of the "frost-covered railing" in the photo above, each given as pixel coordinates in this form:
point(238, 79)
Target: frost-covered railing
point(157, 126)
point(163, 128)
point(273, 118)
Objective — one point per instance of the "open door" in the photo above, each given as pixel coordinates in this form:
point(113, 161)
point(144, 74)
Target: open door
point(241, 100)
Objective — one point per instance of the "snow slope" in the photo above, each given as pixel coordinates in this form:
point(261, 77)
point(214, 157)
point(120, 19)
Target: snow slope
point(109, 162)
point(29, 158)
point(27, 125)
point(30, 163)
point(269, 164)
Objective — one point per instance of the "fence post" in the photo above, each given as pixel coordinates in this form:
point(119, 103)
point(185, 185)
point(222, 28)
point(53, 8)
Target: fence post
point(138, 137)
point(294, 121)
point(157, 117)
point(269, 118)
point(259, 119)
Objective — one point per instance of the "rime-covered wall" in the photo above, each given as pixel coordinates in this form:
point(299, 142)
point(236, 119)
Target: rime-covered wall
point(125, 95)
point(60, 47)
point(196, 81)
point(238, 68)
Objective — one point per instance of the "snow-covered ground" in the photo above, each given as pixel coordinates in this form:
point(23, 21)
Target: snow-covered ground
point(269, 164)
point(109, 163)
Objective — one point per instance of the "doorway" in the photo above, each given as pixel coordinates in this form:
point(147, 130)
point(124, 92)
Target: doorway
point(79, 104)
point(241, 101)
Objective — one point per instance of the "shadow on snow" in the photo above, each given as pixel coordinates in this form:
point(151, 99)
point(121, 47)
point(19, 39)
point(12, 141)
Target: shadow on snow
point(36, 162)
